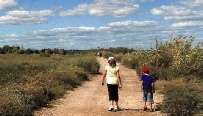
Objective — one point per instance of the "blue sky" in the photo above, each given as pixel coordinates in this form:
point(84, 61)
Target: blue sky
point(89, 24)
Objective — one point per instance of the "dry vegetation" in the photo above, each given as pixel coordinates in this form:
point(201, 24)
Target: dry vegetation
point(28, 82)
point(179, 68)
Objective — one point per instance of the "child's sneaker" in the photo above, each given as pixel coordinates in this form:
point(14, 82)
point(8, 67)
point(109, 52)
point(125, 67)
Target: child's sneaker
point(111, 108)
point(145, 108)
point(116, 109)
point(151, 110)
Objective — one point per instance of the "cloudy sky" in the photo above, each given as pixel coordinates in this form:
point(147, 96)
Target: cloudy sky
point(92, 24)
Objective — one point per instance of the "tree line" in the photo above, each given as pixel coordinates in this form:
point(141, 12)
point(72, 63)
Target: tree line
point(6, 49)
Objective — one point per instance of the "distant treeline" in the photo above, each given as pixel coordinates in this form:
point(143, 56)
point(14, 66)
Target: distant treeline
point(48, 51)
point(19, 50)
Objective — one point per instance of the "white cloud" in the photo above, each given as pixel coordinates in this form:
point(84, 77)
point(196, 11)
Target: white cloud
point(178, 13)
point(23, 17)
point(147, 0)
point(172, 12)
point(193, 3)
point(185, 17)
point(5, 4)
point(80, 10)
point(125, 34)
point(133, 24)
point(24, 14)
point(190, 24)
point(116, 8)
point(122, 12)
point(122, 2)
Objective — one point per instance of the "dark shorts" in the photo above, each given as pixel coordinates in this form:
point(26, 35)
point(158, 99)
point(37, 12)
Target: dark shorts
point(113, 92)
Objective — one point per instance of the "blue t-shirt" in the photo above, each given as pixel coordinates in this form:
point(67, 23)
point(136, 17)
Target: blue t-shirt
point(147, 81)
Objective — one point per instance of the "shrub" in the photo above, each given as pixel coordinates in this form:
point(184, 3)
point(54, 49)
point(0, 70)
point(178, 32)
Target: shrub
point(178, 57)
point(12, 103)
point(107, 54)
point(180, 101)
point(89, 64)
point(130, 62)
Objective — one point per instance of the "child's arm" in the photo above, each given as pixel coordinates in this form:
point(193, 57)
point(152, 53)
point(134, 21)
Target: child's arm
point(119, 79)
point(141, 85)
point(153, 87)
point(103, 77)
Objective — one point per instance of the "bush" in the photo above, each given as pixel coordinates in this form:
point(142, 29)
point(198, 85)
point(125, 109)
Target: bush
point(180, 101)
point(130, 62)
point(178, 57)
point(89, 64)
point(12, 103)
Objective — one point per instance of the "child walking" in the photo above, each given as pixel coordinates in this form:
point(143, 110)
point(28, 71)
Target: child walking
point(113, 80)
point(148, 88)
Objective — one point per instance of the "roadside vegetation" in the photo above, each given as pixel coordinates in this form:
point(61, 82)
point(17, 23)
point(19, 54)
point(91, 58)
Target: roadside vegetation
point(178, 66)
point(28, 82)
point(30, 79)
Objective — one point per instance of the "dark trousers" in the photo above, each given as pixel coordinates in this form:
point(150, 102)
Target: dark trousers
point(113, 92)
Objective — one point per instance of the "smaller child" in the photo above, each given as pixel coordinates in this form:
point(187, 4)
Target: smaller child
point(148, 88)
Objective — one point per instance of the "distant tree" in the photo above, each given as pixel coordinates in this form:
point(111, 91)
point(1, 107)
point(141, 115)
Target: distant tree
point(56, 51)
point(15, 49)
point(62, 52)
point(42, 50)
point(20, 51)
point(29, 51)
point(48, 51)
point(1, 51)
point(7, 49)
point(36, 52)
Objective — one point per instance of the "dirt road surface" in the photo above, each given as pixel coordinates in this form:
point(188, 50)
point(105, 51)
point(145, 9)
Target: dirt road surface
point(91, 99)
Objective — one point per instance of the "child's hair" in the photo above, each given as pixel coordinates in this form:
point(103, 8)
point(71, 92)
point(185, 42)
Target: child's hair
point(112, 63)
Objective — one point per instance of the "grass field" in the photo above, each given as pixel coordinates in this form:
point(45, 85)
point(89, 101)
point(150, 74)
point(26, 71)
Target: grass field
point(28, 82)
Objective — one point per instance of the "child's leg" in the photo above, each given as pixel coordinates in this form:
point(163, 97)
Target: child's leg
point(112, 103)
point(116, 107)
point(150, 100)
point(145, 100)
point(150, 104)
point(116, 103)
point(145, 104)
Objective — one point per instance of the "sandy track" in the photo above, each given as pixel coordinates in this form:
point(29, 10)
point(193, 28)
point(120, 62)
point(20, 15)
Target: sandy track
point(91, 99)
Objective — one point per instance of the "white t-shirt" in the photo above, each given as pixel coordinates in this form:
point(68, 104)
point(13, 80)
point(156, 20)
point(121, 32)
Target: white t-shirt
point(111, 76)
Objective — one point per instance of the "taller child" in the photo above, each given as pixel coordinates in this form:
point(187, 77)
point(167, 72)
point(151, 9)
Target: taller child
point(113, 80)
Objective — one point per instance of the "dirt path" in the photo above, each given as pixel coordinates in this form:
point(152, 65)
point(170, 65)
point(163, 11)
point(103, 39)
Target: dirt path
point(91, 99)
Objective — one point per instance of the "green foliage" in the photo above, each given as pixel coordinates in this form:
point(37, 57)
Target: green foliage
point(174, 59)
point(181, 101)
point(130, 62)
point(169, 60)
point(12, 103)
point(107, 54)
point(179, 56)
point(88, 63)
point(28, 82)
